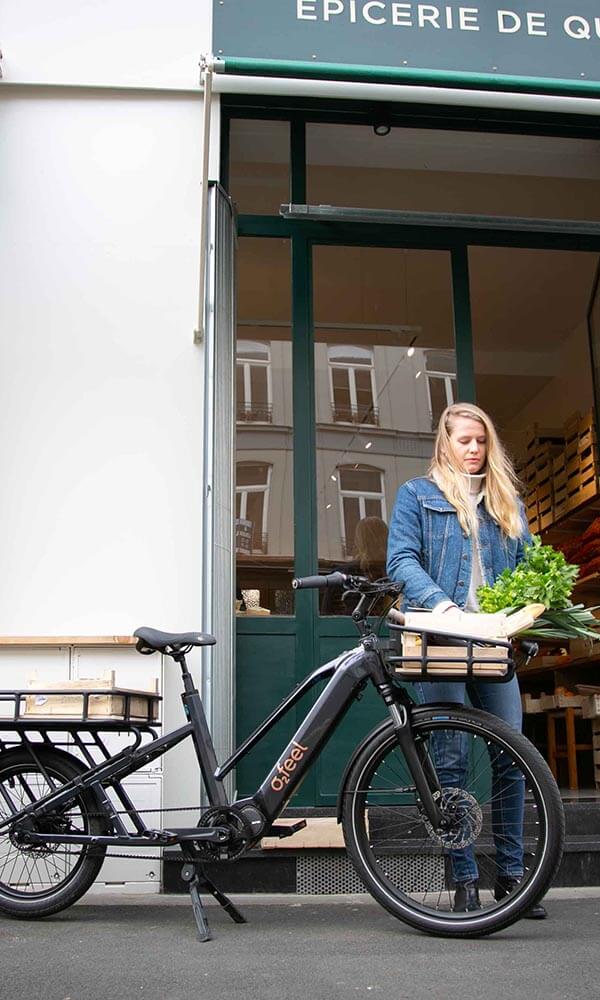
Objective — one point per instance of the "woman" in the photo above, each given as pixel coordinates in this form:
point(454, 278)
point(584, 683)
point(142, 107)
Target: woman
point(451, 532)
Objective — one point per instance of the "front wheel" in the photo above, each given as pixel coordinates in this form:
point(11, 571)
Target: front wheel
point(39, 879)
point(503, 823)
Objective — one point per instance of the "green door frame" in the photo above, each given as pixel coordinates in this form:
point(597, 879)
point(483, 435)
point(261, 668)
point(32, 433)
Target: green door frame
point(306, 625)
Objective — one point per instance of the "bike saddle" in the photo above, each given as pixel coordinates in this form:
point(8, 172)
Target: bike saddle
point(150, 640)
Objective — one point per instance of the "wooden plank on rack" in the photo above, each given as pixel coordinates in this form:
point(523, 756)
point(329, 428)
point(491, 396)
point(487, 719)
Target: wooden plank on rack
point(67, 640)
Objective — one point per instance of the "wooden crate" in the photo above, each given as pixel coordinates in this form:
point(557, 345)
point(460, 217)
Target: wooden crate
point(587, 430)
point(591, 707)
point(531, 508)
point(528, 473)
point(531, 705)
point(110, 702)
point(411, 646)
point(582, 476)
point(571, 434)
point(538, 437)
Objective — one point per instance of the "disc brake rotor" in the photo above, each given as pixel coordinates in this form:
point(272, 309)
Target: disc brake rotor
point(463, 817)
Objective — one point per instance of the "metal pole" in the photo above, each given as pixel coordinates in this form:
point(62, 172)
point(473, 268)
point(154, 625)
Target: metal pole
point(206, 77)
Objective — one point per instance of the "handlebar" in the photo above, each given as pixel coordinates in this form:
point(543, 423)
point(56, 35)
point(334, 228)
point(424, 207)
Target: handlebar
point(330, 580)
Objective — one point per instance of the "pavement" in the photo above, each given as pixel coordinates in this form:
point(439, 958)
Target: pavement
point(294, 947)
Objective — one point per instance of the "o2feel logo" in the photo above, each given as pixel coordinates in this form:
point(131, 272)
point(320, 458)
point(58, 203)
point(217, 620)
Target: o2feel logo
point(285, 767)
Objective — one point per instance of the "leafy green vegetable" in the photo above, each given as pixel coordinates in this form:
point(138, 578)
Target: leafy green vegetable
point(545, 577)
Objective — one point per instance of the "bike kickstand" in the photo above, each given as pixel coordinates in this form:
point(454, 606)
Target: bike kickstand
point(227, 904)
point(189, 875)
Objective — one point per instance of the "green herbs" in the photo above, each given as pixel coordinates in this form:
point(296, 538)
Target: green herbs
point(575, 622)
point(544, 576)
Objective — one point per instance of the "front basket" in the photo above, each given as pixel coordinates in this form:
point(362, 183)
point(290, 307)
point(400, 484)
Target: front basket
point(425, 655)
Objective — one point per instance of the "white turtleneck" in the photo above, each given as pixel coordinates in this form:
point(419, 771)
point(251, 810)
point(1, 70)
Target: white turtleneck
point(476, 489)
point(476, 485)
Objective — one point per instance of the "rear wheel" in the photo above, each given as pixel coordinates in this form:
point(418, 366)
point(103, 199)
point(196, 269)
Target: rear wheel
point(39, 879)
point(503, 816)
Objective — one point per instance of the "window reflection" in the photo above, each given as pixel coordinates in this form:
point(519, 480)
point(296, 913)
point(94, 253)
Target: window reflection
point(352, 384)
point(253, 481)
point(361, 496)
point(384, 368)
point(441, 382)
point(253, 378)
point(264, 520)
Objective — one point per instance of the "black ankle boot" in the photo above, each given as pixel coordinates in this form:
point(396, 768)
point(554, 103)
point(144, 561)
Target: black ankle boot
point(466, 897)
point(508, 883)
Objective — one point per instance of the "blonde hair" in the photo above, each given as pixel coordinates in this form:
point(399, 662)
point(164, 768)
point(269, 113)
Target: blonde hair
point(370, 544)
point(501, 482)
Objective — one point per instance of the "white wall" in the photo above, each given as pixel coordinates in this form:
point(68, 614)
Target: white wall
point(100, 383)
point(104, 42)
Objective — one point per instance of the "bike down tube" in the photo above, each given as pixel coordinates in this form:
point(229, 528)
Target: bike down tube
point(350, 674)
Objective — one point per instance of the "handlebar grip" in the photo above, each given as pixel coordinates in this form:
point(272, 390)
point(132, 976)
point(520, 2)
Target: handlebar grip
point(396, 617)
point(331, 580)
point(529, 647)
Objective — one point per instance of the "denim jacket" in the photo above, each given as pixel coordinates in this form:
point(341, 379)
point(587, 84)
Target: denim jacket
point(431, 555)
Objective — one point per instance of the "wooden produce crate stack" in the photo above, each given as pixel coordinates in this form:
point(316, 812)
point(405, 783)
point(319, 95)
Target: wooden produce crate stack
point(580, 472)
point(537, 474)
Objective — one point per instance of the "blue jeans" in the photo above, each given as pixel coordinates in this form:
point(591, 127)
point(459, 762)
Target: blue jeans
point(451, 757)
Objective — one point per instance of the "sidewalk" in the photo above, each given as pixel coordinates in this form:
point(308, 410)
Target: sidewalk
point(294, 947)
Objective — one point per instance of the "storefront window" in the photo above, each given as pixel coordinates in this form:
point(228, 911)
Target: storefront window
point(264, 513)
point(259, 165)
point(530, 339)
point(429, 170)
point(384, 362)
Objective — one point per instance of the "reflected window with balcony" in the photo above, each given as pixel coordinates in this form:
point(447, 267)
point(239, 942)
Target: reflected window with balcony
point(441, 382)
point(352, 384)
point(253, 377)
point(361, 495)
point(253, 482)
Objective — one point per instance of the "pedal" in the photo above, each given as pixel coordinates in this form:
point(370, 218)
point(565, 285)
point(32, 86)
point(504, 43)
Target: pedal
point(162, 837)
point(281, 830)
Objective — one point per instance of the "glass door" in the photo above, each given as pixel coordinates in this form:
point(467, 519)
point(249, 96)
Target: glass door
point(384, 369)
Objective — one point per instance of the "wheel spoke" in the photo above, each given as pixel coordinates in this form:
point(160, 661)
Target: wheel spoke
point(36, 873)
point(491, 821)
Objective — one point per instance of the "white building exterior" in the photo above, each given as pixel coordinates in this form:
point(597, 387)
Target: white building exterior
point(101, 382)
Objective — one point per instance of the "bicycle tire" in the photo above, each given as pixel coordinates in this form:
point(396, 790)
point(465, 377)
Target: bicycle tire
point(384, 824)
point(38, 881)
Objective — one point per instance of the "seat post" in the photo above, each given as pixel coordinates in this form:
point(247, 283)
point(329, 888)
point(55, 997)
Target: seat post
point(205, 750)
point(188, 680)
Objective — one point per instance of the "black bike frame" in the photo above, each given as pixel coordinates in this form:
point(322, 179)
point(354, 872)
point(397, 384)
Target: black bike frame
point(346, 676)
